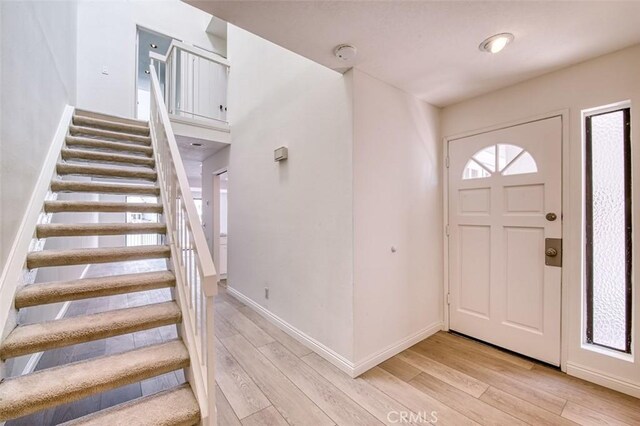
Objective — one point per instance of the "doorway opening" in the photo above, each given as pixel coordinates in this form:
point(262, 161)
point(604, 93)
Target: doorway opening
point(220, 221)
point(148, 41)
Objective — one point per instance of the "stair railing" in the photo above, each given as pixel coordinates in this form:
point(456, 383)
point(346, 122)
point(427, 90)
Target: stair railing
point(195, 81)
point(196, 277)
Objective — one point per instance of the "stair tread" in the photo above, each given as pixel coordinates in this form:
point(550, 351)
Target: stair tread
point(60, 291)
point(109, 117)
point(116, 188)
point(109, 134)
point(110, 125)
point(85, 256)
point(38, 337)
point(100, 206)
point(47, 388)
point(175, 406)
point(107, 144)
point(109, 157)
point(84, 229)
point(106, 171)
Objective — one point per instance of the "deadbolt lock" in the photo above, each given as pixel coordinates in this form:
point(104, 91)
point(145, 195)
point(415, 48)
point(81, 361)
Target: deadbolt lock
point(551, 217)
point(553, 251)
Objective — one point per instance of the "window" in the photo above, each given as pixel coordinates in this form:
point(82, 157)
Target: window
point(142, 239)
point(504, 158)
point(608, 229)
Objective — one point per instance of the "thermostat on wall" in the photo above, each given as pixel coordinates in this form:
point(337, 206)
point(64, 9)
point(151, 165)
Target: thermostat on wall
point(280, 154)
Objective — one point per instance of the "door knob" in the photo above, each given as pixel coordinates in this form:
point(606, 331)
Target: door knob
point(551, 252)
point(551, 217)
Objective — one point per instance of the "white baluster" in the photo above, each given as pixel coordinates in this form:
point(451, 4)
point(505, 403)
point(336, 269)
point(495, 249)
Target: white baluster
point(196, 278)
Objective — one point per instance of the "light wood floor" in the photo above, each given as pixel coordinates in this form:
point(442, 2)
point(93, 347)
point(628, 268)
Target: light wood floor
point(265, 377)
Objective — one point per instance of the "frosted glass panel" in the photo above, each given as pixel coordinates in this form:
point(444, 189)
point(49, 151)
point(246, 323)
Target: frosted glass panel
point(473, 170)
point(608, 230)
point(487, 157)
point(521, 165)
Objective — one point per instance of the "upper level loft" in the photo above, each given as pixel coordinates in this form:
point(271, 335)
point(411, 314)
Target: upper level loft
point(194, 84)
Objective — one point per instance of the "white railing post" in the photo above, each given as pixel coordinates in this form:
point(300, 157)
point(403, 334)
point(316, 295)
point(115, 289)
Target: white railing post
point(211, 349)
point(196, 277)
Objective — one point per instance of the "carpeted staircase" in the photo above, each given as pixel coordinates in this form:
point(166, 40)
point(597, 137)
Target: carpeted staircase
point(99, 146)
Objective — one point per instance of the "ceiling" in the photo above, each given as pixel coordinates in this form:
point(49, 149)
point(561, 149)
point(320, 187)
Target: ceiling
point(430, 48)
point(193, 156)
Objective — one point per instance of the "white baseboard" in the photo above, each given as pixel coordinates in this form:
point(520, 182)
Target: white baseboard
point(352, 369)
point(327, 353)
point(396, 348)
point(34, 359)
point(603, 379)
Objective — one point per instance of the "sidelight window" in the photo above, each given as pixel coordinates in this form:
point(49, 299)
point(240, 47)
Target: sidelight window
point(608, 252)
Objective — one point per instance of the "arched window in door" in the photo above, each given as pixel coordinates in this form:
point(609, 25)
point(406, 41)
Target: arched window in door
point(505, 159)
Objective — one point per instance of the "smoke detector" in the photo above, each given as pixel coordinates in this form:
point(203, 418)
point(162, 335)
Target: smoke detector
point(345, 52)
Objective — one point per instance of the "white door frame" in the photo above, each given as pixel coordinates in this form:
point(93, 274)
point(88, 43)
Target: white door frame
point(567, 243)
point(136, 64)
point(216, 216)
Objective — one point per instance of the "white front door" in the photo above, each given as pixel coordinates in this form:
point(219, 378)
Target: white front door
point(504, 188)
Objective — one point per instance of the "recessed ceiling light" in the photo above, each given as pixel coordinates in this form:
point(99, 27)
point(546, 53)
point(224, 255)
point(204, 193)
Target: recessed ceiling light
point(496, 43)
point(196, 144)
point(147, 72)
point(153, 46)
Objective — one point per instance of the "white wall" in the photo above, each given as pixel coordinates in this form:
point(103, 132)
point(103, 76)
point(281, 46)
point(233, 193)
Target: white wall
point(38, 49)
point(397, 203)
point(290, 223)
point(604, 80)
point(107, 38)
point(3, 242)
point(38, 79)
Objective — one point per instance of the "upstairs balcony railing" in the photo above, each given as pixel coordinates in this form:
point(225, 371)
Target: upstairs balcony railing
point(193, 81)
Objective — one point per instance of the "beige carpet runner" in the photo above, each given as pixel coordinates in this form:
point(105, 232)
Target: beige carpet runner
point(117, 154)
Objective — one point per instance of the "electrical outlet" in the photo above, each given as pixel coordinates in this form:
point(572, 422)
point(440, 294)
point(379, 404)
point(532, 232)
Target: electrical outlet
point(266, 292)
point(105, 70)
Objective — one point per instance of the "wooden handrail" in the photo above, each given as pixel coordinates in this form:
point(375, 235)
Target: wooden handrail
point(196, 277)
point(200, 241)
